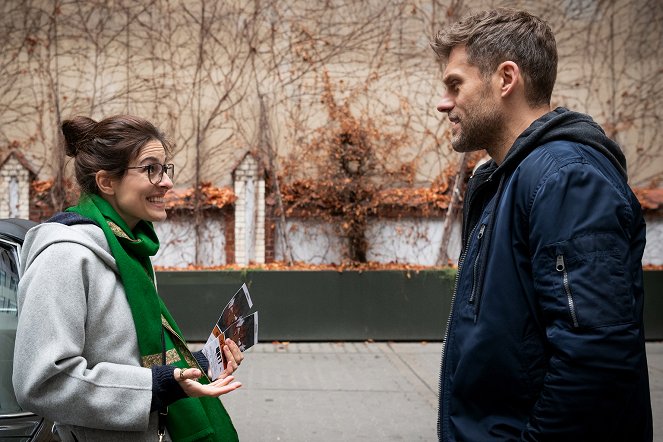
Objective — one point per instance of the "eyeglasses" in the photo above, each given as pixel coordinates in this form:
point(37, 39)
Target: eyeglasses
point(155, 171)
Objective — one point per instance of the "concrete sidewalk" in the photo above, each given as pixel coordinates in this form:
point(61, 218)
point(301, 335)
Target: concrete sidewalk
point(304, 392)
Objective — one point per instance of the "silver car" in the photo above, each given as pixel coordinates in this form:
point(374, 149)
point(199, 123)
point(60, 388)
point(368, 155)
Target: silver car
point(15, 424)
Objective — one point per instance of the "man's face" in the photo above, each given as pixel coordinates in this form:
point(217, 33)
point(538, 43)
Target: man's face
point(476, 119)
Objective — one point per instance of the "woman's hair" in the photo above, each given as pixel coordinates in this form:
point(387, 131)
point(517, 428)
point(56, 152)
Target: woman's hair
point(109, 145)
point(492, 37)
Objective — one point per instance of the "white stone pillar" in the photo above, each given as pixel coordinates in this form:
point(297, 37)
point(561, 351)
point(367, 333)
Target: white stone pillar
point(249, 212)
point(15, 189)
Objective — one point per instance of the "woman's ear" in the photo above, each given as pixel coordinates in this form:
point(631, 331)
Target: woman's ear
point(105, 182)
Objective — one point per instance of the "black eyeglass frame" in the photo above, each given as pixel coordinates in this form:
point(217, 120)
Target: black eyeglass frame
point(168, 169)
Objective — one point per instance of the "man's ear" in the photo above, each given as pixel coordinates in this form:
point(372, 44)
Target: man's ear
point(105, 182)
point(510, 78)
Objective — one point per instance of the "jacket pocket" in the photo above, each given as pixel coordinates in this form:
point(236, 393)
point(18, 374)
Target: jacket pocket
point(584, 283)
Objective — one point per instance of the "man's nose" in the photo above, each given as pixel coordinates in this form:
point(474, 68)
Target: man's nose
point(445, 104)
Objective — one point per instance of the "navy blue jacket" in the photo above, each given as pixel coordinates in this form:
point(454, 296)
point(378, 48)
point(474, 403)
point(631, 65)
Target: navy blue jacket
point(545, 339)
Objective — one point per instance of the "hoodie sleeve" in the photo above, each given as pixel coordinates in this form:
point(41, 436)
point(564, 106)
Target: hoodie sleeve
point(584, 264)
point(75, 361)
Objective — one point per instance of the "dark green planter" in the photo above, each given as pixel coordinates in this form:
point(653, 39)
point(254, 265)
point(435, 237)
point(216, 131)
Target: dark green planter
point(317, 305)
point(653, 305)
point(338, 306)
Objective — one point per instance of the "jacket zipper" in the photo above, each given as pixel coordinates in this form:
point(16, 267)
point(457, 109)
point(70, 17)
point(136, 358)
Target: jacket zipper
point(561, 267)
point(446, 331)
point(476, 264)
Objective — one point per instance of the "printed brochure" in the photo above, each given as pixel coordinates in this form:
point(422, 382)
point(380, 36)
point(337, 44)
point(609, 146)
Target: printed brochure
point(237, 323)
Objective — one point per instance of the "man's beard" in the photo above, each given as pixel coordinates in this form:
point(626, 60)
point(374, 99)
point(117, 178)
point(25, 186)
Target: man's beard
point(480, 129)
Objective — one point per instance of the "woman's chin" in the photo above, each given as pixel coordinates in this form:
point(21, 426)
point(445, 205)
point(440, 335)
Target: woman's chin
point(157, 216)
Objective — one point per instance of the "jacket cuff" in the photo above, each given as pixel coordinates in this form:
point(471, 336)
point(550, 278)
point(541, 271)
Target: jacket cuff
point(165, 389)
point(202, 360)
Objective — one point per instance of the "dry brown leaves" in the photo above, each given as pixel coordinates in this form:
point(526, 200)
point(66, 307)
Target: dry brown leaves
point(210, 197)
point(310, 198)
point(302, 266)
point(650, 199)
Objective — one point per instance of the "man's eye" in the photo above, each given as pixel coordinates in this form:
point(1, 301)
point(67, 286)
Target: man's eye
point(151, 168)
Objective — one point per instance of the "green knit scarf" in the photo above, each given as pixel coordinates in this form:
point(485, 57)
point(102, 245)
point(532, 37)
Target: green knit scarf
point(190, 419)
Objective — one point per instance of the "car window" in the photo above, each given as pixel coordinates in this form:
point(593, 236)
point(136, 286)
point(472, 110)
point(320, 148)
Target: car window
point(8, 322)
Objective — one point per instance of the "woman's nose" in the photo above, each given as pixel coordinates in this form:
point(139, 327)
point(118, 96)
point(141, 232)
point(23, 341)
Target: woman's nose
point(166, 181)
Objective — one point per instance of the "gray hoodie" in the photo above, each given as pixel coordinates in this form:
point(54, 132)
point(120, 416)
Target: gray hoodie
point(76, 359)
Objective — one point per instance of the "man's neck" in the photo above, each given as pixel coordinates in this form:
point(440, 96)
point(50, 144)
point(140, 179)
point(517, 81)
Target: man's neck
point(516, 122)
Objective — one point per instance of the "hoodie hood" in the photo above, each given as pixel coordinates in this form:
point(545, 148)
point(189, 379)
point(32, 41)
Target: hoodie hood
point(87, 235)
point(562, 125)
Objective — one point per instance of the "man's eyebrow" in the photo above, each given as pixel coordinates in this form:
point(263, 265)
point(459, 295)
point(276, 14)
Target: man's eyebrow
point(450, 77)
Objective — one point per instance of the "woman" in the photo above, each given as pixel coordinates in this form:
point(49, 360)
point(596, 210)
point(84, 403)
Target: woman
point(96, 349)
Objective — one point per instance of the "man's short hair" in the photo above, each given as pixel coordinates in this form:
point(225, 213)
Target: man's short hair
point(492, 37)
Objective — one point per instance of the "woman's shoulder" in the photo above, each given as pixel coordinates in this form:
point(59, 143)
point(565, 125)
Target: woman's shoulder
point(69, 241)
point(53, 232)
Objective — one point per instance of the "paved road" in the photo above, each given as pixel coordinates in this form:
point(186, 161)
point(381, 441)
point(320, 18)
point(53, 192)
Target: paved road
point(306, 392)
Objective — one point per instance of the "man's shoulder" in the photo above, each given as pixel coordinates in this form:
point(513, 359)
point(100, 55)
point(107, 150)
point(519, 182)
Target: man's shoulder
point(554, 156)
point(545, 161)
point(568, 163)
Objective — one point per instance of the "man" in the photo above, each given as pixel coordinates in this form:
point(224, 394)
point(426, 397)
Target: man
point(545, 339)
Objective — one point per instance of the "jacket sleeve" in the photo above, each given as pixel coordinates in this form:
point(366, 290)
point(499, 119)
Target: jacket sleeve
point(51, 374)
point(584, 265)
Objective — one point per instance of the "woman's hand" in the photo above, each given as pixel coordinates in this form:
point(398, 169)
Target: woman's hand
point(188, 380)
point(232, 358)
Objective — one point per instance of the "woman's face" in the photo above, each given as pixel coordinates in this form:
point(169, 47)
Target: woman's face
point(135, 198)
